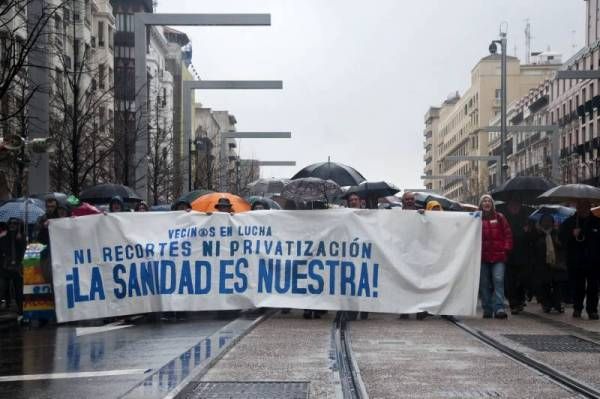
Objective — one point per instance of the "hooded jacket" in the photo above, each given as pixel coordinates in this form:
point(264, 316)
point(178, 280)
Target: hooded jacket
point(496, 240)
point(116, 199)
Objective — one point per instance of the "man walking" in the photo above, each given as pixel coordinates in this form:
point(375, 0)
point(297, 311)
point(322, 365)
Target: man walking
point(409, 204)
point(580, 234)
point(518, 267)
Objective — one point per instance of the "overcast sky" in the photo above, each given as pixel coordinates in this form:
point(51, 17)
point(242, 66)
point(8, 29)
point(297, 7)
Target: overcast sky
point(359, 76)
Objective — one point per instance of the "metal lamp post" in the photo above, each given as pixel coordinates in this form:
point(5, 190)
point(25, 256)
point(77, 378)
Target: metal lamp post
point(503, 95)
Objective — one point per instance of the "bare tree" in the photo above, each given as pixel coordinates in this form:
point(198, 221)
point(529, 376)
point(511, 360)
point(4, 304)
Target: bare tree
point(161, 166)
point(81, 116)
point(246, 171)
point(205, 165)
point(19, 36)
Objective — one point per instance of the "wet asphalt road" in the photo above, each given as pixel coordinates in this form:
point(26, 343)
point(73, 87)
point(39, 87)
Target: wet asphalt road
point(102, 361)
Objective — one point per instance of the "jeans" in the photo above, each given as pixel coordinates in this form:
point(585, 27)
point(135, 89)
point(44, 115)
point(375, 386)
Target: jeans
point(491, 287)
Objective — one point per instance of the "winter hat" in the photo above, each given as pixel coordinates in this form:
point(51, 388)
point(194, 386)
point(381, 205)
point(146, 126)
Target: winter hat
point(433, 204)
point(484, 196)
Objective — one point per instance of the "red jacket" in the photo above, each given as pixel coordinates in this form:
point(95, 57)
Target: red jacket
point(496, 239)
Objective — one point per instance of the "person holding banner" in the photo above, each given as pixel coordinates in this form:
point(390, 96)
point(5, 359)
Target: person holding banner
point(433, 206)
point(181, 206)
point(354, 201)
point(409, 204)
point(142, 206)
point(224, 205)
point(116, 204)
point(496, 244)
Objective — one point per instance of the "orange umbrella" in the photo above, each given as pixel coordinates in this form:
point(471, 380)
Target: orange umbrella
point(596, 211)
point(206, 203)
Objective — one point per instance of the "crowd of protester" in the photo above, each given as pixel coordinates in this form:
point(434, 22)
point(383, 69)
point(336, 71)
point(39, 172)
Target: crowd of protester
point(520, 260)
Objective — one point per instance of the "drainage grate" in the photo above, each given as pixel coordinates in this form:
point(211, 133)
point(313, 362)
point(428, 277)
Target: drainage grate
point(246, 390)
point(473, 394)
point(555, 343)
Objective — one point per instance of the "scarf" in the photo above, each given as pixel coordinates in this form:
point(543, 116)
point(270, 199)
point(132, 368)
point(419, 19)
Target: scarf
point(550, 252)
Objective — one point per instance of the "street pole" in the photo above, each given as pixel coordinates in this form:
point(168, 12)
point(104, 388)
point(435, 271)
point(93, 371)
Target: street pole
point(504, 95)
point(190, 164)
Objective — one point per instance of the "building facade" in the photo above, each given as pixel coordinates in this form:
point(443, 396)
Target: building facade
point(573, 106)
point(227, 151)
point(432, 118)
point(592, 22)
point(127, 119)
point(456, 130)
point(179, 57)
point(207, 136)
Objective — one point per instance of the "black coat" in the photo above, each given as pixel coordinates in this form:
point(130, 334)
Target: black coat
point(522, 241)
point(12, 251)
point(584, 253)
point(539, 253)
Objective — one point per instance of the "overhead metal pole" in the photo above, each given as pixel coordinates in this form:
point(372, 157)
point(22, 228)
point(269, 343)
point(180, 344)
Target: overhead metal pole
point(553, 130)
point(257, 135)
point(578, 74)
point(143, 20)
point(188, 88)
point(277, 163)
point(503, 122)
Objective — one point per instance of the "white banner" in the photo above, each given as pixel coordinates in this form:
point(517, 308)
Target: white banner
point(364, 260)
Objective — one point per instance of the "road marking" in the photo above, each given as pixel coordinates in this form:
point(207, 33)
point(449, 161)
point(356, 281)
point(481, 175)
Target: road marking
point(81, 374)
point(79, 331)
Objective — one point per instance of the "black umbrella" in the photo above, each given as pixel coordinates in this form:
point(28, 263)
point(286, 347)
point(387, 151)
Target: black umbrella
point(421, 200)
point(522, 188)
point(102, 193)
point(255, 198)
point(372, 191)
point(342, 174)
point(311, 189)
point(266, 186)
point(571, 192)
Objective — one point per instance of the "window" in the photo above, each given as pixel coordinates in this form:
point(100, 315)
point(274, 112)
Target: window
point(110, 37)
point(110, 78)
point(102, 117)
point(124, 22)
point(76, 49)
point(101, 34)
point(101, 75)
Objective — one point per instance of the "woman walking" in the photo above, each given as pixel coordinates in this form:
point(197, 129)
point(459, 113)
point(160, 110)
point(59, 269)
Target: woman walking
point(549, 267)
point(496, 243)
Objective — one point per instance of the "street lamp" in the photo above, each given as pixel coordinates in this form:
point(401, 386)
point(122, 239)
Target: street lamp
point(503, 95)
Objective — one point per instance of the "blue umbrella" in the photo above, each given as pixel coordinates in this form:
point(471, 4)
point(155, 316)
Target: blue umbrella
point(25, 210)
point(36, 201)
point(560, 213)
